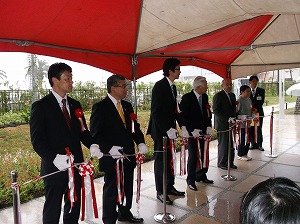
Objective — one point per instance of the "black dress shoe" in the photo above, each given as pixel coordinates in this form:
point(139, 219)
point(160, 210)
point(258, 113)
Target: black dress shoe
point(161, 198)
point(233, 167)
point(131, 219)
point(207, 181)
point(175, 192)
point(193, 187)
point(260, 148)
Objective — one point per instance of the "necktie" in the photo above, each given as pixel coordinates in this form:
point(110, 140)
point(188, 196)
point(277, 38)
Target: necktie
point(120, 111)
point(173, 87)
point(228, 95)
point(200, 102)
point(66, 113)
point(253, 92)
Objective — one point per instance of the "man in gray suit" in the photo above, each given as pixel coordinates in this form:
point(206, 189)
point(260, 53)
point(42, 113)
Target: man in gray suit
point(224, 107)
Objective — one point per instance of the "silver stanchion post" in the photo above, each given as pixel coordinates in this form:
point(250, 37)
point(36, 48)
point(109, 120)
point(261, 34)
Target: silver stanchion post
point(164, 217)
point(271, 155)
point(229, 177)
point(16, 197)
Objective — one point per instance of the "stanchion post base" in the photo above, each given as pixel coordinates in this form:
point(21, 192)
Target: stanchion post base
point(271, 155)
point(164, 217)
point(228, 177)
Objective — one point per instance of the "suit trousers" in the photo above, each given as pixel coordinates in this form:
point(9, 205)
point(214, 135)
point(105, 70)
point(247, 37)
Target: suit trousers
point(259, 134)
point(110, 194)
point(243, 147)
point(55, 190)
point(159, 166)
point(223, 140)
point(194, 173)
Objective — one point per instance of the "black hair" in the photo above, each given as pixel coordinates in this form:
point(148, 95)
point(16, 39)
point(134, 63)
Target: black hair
point(56, 70)
point(113, 81)
point(170, 64)
point(253, 77)
point(276, 200)
point(243, 88)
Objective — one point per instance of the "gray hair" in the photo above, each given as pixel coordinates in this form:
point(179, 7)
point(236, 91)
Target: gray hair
point(198, 81)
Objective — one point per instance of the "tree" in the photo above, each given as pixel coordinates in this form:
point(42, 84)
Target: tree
point(36, 71)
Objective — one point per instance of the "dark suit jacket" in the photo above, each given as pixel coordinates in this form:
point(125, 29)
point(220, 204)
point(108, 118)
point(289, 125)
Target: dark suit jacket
point(193, 117)
point(108, 130)
point(223, 109)
point(258, 100)
point(163, 110)
point(50, 134)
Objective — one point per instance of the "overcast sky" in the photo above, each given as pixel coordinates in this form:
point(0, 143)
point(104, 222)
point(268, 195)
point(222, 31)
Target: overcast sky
point(14, 64)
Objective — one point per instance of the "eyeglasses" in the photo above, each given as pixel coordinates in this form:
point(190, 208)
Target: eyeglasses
point(123, 86)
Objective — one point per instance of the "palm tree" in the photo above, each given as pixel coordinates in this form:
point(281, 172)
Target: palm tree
point(36, 70)
point(3, 74)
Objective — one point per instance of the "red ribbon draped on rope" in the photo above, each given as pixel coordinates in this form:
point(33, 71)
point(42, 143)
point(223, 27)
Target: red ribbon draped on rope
point(207, 139)
point(88, 192)
point(139, 161)
point(198, 150)
point(71, 191)
point(133, 118)
point(173, 153)
point(120, 180)
point(183, 144)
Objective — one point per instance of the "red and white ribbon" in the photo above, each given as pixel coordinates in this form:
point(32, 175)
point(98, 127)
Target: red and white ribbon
point(183, 144)
point(173, 153)
point(133, 118)
point(79, 115)
point(247, 136)
point(139, 161)
point(89, 203)
point(120, 180)
point(255, 121)
point(207, 139)
point(198, 150)
point(71, 191)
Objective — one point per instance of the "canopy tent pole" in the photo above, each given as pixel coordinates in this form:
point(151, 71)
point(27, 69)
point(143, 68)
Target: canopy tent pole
point(134, 63)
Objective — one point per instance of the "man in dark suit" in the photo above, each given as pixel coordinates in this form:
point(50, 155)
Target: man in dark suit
point(164, 113)
point(258, 99)
point(111, 126)
point(197, 116)
point(51, 133)
point(224, 107)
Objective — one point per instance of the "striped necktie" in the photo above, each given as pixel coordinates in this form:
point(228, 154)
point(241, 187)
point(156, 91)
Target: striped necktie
point(66, 113)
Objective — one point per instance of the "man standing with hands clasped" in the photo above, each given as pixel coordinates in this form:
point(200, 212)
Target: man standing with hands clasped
point(197, 116)
point(164, 113)
point(258, 99)
point(224, 107)
point(54, 127)
point(111, 126)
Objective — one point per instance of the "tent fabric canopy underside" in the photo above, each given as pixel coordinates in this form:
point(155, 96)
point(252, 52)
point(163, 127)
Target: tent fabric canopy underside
point(239, 37)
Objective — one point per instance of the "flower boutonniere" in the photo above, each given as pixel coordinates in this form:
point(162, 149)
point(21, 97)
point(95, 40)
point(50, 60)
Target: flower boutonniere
point(79, 115)
point(133, 118)
point(207, 106)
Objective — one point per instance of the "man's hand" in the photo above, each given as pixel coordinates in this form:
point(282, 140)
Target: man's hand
point(172, 133)
point(95, 151)
point(143, 149)
point(185, 133)
point(196, 133)
point(114, 152)
point(209, 131)
point(61, 162)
